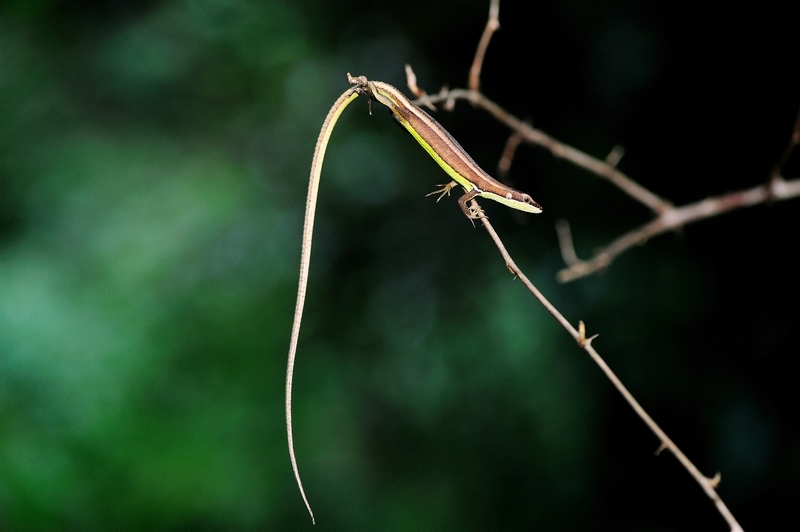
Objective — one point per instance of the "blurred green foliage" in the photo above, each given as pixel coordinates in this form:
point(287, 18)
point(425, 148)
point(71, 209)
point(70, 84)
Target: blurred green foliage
point(153, 165)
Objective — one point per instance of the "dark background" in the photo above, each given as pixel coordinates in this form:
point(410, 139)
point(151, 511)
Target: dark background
point(153, 169)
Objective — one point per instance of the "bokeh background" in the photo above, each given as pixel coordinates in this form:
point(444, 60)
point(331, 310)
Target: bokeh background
point(153, 168)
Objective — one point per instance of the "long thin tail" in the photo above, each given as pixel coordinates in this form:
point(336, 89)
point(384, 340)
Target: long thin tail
point(305, 260)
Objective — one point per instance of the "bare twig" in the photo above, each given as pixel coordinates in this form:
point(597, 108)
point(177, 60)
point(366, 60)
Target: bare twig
point(513, 142)
point(419, 94)
point(776, 189)
point(707, 484)
point(492, 25)
point(565, 243)
point(411, 81)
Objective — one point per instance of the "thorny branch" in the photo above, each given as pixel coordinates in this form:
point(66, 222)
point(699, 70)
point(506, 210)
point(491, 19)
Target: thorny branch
point(708, 484)
point(668, 218)
point(604, 169)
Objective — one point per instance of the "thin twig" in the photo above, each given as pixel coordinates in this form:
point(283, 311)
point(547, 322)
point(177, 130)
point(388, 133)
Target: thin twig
point(776, 189)
point(565, 243)
point(422, 98)
point(492, 25)
point(707, 484)
point(513, 142)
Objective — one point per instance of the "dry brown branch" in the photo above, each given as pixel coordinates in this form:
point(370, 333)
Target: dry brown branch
point(776, 189)
point(421, 95)
point(708, 484)
point(513, 142)
point(492, 25)
point(565, 243)
point(411, 81)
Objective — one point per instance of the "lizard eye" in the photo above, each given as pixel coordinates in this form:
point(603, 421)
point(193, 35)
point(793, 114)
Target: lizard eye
point(529, 200)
